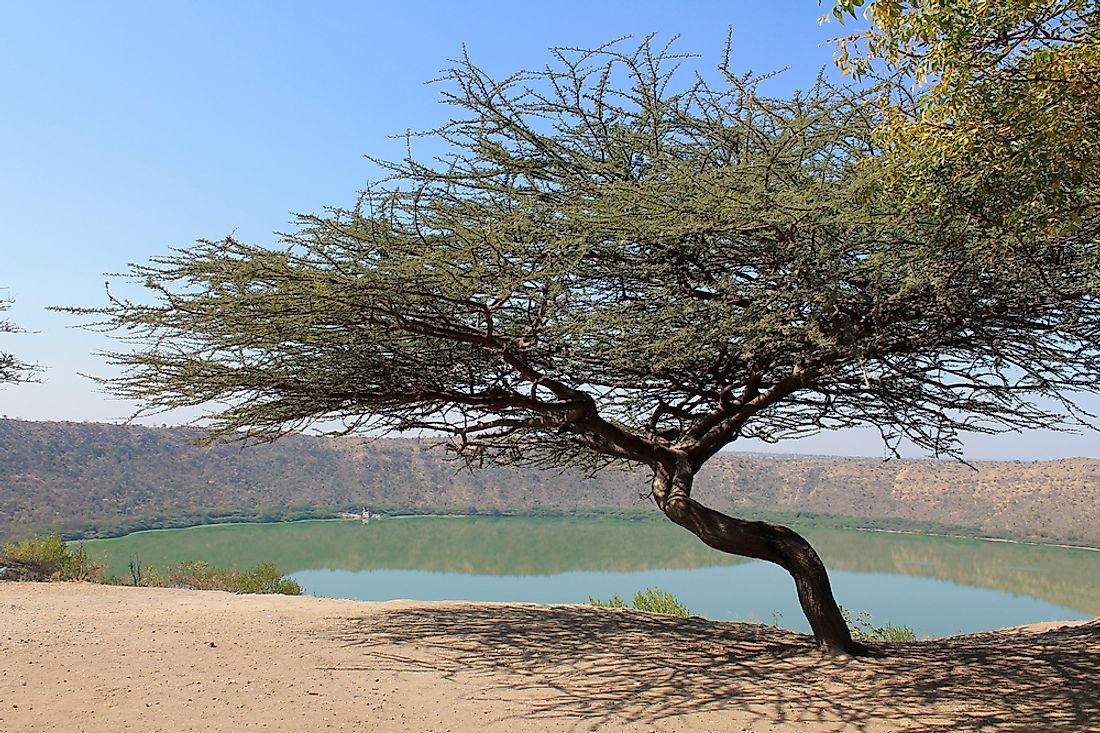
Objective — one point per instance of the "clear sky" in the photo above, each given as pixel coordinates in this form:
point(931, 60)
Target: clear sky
point(127, 128)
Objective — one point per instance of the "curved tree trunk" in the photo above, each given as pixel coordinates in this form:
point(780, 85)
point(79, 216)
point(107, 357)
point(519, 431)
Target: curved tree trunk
point(765, 541)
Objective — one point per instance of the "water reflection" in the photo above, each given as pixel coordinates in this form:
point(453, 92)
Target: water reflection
point(938, 585)
point(754, 592)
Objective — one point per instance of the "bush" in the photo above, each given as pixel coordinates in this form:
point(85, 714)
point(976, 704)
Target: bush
point(55, 559)
point(863, 629)
point(655, 600)
point(614, 602)
point(651, 600)
point(264, 578)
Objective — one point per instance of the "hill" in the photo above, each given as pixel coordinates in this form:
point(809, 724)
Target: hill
point(96, 479)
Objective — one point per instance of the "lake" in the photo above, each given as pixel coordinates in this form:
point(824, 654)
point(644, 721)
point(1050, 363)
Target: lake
point(939, 586)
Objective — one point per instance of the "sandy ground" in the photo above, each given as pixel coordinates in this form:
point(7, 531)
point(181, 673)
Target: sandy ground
point(80, 657)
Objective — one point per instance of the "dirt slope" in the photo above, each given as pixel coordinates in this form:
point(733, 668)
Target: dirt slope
point(80, 657)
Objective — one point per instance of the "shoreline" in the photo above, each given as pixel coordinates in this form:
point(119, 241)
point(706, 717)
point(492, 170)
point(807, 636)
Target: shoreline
point(831, 521)
point(980, 538)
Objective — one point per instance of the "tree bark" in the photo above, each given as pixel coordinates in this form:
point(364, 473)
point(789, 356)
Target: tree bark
point(764, 541)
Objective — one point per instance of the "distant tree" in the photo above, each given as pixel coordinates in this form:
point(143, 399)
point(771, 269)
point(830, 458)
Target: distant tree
point(609, 265)
point(11, 368)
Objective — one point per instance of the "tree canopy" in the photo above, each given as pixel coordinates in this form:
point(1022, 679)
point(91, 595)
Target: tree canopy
point(681, 267)
point(614, 261)
point(993, 106)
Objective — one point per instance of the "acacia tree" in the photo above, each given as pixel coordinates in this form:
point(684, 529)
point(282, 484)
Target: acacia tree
point(606, 267)
point(11, 368)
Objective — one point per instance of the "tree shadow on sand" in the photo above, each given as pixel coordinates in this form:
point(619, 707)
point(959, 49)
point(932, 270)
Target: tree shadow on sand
point(614, 667)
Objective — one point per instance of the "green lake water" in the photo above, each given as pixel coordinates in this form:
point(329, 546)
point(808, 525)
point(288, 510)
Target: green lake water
point(936, 585)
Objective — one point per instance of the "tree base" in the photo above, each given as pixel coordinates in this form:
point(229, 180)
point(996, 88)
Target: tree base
point(855, 649)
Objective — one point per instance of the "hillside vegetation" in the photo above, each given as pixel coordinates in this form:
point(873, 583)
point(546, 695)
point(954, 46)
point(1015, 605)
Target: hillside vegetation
point(88, 479)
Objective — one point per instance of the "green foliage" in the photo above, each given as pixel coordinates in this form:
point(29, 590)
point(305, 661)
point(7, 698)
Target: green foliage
point(863, 628)
point(614, 601)
point(656, 600)
point(47, 552)
point(264, 578)
point(613, 259)
point(651, 600)
point(1004, 119)
point(54, 558)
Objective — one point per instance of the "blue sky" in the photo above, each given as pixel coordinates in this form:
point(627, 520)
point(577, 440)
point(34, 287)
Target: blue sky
point(128, 128)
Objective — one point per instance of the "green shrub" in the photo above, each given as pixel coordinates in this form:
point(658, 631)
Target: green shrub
point(54, 558)
point(863, 628)
point(195, 575)
point(266, 578)
point(48, 553)
point(652, 600)
point(655, 600)
point(614, 602)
